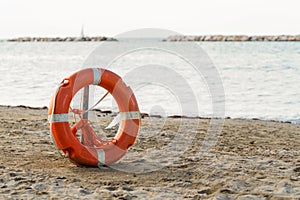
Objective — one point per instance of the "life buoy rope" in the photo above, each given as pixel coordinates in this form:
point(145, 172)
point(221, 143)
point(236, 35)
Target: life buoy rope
point(93, 151)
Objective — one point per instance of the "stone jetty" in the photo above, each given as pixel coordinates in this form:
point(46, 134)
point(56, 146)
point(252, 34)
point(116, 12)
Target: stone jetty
point(59, 39)
point(232, 38)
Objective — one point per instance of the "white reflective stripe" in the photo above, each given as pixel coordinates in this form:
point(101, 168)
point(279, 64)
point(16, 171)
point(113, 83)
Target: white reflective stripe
point(130, 115)
point(124, 116)
point(97, 76)
point(101, 157)
point(58, 118)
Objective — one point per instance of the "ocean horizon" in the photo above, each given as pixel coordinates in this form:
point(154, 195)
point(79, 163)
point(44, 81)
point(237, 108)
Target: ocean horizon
point(260, 79)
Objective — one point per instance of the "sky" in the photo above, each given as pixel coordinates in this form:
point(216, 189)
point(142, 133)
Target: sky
point(51, 18)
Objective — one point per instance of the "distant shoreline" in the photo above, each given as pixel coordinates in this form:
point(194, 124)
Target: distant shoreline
point(61, 39)
point(232, 38)
point(147, 115)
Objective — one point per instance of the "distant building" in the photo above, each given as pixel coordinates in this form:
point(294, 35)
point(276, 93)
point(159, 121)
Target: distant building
point(82, 32)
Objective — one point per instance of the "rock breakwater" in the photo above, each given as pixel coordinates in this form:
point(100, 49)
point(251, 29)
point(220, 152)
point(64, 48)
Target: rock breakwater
point(232, 38)
point(59, 39)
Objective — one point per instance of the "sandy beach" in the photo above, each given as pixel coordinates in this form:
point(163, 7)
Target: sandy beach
point(252, 159)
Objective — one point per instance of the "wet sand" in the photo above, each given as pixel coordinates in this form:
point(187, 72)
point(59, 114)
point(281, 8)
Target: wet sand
point(252, 159)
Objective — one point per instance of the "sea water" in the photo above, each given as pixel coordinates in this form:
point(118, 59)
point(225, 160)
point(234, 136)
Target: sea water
point(260, 79)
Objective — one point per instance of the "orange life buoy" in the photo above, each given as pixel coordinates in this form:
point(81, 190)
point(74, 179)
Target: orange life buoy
point(93, 151)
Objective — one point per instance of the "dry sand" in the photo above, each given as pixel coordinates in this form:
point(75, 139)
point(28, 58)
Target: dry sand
point(252, 159)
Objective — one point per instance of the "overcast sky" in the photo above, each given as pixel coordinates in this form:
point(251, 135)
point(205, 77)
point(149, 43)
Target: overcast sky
point(65, 17)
